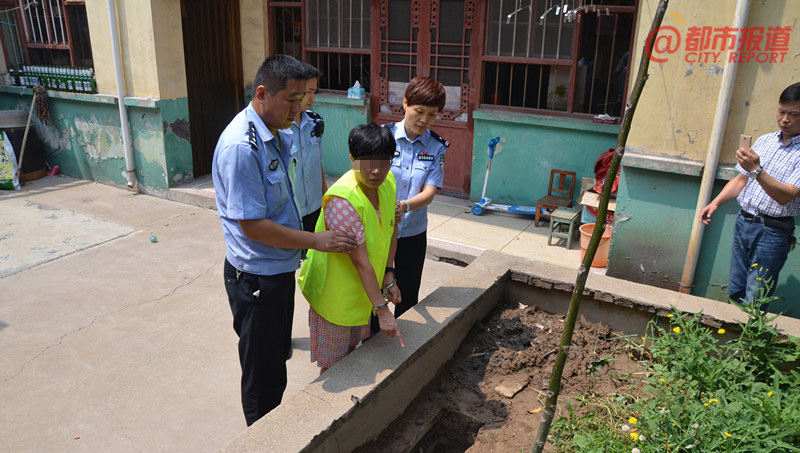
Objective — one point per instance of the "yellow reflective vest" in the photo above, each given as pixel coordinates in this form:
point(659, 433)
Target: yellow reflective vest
point(330, 281)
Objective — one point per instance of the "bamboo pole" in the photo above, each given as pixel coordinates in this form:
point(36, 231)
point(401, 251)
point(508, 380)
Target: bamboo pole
point(554, 386)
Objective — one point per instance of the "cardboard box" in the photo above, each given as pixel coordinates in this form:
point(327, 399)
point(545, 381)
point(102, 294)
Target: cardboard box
point(589, 215)
point(587, 183)
point(592, 199)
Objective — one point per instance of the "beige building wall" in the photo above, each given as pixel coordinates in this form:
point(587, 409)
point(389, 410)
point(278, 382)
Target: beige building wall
point(676, 112)
point(151, 41)
point(255, 44)
point(168, 40)
point(151, 45)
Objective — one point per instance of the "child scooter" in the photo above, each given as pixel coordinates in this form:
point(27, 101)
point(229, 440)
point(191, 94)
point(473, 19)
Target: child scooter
point(486, 203)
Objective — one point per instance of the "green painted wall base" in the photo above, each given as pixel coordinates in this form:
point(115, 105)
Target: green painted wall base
point(653, 223)
point(82, 135)
point(341, 115)
point(530, 146)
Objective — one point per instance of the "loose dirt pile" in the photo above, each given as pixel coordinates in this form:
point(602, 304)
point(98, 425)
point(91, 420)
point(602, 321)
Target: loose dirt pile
point(488, 397)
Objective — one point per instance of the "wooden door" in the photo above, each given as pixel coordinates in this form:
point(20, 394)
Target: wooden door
point(215, 87)
point(431, 38)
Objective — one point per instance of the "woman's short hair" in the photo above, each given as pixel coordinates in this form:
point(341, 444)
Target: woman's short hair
point(425, 91)
point(371, 140)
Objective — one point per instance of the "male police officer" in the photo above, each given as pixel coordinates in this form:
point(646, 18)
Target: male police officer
point(307, 129)
point(262, 229)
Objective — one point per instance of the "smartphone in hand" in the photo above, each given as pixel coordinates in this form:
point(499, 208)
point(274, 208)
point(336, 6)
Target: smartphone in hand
point(745, 141)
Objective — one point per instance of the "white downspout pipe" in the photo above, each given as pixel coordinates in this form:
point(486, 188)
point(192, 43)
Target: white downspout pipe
point(712, 158)
point(130, 164)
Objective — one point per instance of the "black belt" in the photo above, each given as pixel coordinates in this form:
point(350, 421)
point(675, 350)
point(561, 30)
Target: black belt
point(784, 223)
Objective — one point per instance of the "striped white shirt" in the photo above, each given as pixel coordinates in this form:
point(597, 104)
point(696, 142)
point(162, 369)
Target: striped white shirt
point(782, 162)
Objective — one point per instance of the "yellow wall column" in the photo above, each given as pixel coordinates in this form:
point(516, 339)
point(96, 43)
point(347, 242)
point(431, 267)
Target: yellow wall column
point(255, 44)
point(151, 41)
point(676, 111)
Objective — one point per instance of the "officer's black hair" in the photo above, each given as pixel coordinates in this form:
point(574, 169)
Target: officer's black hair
point(311, 71)
point(275, 71)
point(790, 94)
point(371, 140)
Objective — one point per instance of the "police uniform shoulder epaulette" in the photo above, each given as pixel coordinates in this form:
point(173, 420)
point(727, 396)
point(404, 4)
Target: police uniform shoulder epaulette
point(319, 123)
point(252, 136)
point(440, 139)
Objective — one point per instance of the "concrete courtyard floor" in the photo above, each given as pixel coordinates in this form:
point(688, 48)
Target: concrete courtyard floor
point(111, 342)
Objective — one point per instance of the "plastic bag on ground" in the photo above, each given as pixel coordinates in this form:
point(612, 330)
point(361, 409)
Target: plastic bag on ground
point(9, 177)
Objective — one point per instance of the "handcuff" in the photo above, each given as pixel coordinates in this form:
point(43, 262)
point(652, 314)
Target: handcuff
point(385, 293)
point(375, 309)
point(394, 281)
point(386, 290)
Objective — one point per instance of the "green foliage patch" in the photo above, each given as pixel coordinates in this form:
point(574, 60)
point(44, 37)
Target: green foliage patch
point(700, 394)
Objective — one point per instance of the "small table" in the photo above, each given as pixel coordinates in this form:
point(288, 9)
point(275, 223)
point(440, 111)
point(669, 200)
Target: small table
point(563, 224)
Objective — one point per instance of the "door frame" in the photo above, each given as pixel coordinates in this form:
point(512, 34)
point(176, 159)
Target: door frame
point(201, 159)
point(473, 18)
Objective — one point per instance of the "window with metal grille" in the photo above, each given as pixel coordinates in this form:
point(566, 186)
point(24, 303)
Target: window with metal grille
point(48, 32)
point(334, 36)
point(80, 45)
point(557, 55)
point(286, 26)
point(425, 37)
point(12, 41)
point(338, 41)
point(44, 24)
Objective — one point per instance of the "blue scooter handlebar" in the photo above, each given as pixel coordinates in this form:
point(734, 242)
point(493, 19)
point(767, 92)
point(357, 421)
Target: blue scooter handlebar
point(492, 143)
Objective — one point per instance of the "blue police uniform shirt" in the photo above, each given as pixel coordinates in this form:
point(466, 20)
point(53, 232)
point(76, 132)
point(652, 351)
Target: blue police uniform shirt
point(416, 164)
point(307, 152)
point(251, 180)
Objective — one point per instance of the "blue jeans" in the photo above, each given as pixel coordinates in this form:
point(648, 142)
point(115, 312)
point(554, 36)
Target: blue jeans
point(757, 256)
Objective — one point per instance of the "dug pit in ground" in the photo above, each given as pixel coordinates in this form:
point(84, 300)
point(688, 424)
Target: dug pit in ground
point(356, 400)
point(490, 395)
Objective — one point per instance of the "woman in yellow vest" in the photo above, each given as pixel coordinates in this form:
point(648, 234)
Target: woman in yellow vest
point(343, 289)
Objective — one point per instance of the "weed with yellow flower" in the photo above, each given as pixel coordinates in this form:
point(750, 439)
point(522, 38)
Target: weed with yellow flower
point(699, 384)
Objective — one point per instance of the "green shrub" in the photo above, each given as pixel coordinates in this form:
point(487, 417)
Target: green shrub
point(700, 394)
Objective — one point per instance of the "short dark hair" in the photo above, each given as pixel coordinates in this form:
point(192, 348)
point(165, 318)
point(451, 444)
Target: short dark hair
point(425, 91)
point(275, 71)
point(790, 94)
point(311, 71)
point(369, 140)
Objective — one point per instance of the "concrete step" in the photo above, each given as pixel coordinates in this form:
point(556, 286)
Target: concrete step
point(198, 192)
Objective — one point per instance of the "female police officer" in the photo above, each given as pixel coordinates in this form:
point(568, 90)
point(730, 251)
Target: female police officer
point(418, 168)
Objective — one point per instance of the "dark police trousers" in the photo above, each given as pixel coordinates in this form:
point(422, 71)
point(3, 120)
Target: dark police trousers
point(263, 309)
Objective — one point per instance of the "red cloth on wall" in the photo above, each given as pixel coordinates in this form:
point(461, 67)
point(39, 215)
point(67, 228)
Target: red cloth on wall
point(601, 170)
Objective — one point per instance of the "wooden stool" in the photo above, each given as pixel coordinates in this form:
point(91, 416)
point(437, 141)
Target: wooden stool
point(563, 224)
